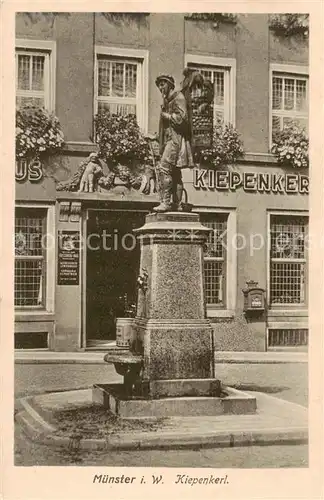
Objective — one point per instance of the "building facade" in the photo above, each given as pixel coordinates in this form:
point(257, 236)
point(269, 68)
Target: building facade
point(77, 64)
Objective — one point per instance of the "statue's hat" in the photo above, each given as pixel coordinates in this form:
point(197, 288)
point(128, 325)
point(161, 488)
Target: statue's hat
point(166, 78)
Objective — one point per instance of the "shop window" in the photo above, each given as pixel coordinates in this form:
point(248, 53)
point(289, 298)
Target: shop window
point(215, 259)
point(30, 258)
point(119, 83)
point(289, 101)
point(288, 260)
point(35, 74)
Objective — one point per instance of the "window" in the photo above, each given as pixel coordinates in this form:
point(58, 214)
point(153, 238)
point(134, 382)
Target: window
point(35, 74)
point(287, 337)
point(117, 86)
point(119, 82)
point(288, 259)
point(289, 101)
point(215, 259)
point(221, 72)
point(30, 257)
point(217, 77)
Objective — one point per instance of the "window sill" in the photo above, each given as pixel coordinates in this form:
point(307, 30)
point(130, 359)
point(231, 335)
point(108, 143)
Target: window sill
point(260, 158)
point(291, 325)
point(80, 147)
point(42, 315)
point(220, 313)
point(286, 311)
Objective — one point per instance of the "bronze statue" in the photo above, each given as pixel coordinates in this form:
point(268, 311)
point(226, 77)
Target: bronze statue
point(175, 147)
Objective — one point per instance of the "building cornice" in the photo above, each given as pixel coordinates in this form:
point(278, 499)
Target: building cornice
point(249, 157)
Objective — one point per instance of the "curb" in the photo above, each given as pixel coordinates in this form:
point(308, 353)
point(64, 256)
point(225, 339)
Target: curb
point(60, 361)
point(218, 359)
point(43, 432)
point(298, 436)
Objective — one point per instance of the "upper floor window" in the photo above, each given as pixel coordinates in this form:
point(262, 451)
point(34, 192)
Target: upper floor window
point(221, 73)
point(120, 81)
point(289, 99)
point(35, 74)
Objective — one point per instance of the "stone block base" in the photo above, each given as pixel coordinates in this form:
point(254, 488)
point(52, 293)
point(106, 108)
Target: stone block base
point(184, 387)
point(176, 348)
point(231, 401)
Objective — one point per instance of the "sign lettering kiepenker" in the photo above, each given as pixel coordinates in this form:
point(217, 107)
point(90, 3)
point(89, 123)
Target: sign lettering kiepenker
point(223, 180)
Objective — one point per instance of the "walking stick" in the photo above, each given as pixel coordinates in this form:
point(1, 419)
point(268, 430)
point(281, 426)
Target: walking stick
point(151, 139)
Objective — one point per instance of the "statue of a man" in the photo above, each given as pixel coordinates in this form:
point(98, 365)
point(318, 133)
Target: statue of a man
point(175, 147)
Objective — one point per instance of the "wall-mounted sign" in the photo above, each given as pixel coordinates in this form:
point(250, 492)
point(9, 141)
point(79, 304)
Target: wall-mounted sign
point(260, 182)
point(68, 258)
point(32, 171)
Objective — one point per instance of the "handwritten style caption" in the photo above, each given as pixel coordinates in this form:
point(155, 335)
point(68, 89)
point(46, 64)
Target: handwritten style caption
point(184, 479)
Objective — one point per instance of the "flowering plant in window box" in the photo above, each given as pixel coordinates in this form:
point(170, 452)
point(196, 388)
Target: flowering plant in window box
point(289, 24)
point(120, 140)
point(290, 146)
point(37, 133)
point(215, 17)
point(227, 147)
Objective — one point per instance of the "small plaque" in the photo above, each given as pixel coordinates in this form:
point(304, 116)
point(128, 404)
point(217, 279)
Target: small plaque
point(68, 258)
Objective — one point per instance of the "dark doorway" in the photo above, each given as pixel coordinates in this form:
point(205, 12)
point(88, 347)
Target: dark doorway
point(113, 256)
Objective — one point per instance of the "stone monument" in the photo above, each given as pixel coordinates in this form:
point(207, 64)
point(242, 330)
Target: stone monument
point(169, 368)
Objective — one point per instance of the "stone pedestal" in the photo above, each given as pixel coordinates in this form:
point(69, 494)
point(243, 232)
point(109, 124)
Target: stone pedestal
point(171, 327)
point(170, 365)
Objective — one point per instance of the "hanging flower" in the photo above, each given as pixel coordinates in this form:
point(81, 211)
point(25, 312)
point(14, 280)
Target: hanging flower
point(226, 148)
point(37, 132)
point(215, 17)
point(120, 139)
point(289, 24)
point(290, 146)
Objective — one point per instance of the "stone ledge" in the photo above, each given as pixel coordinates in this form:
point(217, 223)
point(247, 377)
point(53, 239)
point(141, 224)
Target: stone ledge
point(231, 401)
point(250, 157)
point(261, 158)
point(80, 147)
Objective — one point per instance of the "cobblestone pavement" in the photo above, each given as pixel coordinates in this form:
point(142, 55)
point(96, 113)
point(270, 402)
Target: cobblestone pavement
point(287, 381)
point(284, 380)
point(39, 378)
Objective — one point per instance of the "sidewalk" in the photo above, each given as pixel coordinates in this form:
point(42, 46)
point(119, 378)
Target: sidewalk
point(96, 357)
point(276, 422)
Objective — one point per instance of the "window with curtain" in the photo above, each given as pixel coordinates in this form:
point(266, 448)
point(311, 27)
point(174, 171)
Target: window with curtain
point(118, 85)
point(289, 101)
point(32, 79)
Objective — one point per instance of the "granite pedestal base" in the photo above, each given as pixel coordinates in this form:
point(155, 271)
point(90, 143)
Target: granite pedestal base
point(176, 348)
point(230, 401)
